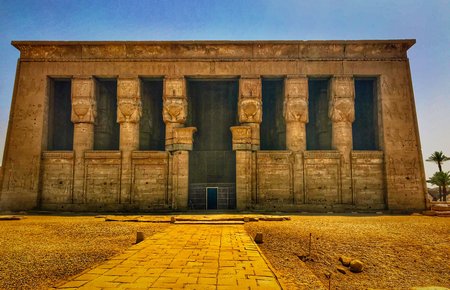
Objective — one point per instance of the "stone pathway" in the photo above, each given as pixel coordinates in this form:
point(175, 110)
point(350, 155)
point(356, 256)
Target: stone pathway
point(184, 257)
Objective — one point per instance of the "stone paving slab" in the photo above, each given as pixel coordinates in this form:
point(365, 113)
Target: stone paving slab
point(184, 257)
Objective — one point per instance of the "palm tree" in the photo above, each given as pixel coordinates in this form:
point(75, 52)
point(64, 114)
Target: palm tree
point(438, 158)
point(441, 179)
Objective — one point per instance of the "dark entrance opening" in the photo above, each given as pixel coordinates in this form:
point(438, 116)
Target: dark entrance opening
point(211, 197)
point(212, 163)
point(365, 126)
point(273, 127)
point(60, 127)
point(151, 126)
point(106, 129)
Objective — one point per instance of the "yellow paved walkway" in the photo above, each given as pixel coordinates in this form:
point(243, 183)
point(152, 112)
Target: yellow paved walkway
point(184, 257)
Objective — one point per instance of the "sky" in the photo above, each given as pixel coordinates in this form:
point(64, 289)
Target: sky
point(428, 21)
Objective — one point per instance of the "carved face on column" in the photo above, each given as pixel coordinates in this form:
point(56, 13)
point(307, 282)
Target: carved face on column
point(128, 110)
point(175, 110)
point(83, 110)
point(342, 110)
point(250, 110)
point(296, 110)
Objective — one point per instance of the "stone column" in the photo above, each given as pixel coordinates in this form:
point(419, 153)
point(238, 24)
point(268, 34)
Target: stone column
point(250, 107)
point(174, 106)
point(177, 139)
point(242, 144)
point(128, 115)
point(183, 140)
point(83, 117)
point(296, 112)
point(342, 114)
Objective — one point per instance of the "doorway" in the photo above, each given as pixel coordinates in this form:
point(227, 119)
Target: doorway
point(211, 197)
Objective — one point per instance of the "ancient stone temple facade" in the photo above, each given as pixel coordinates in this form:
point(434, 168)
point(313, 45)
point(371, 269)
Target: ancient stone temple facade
point(195, 125)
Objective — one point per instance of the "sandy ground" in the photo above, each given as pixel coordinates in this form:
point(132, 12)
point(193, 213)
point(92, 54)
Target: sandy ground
point(399, 252)
point(38, 251)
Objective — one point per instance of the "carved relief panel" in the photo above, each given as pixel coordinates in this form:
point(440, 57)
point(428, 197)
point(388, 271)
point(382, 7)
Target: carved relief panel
point(250, 103)
point(83, 103)
point(296, 100)
point(174, 110)
point(174, 87)
point(250, 110)
point(342, 108)
point(184, 136)
point(174, 100)
point(129, 110)
point(129, 107)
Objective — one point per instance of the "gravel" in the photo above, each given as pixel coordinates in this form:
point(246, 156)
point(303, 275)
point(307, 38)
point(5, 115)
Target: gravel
point(398, 252)
point(38, 251)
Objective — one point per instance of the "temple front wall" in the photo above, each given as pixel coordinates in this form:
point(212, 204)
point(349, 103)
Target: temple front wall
point(294, 179)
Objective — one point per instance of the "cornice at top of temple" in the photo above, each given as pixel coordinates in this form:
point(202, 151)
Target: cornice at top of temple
point(216, 50)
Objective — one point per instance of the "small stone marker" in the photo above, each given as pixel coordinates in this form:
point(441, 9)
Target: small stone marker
point(345, 260)
point(259, 238)
point(356, 266)
point(139, 237)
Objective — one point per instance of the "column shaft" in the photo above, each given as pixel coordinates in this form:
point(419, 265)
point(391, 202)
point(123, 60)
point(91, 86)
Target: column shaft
point(342, 114)
point(128, 115)
point(83, 116)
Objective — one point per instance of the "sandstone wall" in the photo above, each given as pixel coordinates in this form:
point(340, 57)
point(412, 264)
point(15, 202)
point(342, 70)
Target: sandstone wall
point(392, 178)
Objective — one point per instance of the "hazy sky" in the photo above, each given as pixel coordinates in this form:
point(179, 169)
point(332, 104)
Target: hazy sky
point(428, 21)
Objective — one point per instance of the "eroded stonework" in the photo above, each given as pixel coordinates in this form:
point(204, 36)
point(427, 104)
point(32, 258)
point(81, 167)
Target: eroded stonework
point(298, 177)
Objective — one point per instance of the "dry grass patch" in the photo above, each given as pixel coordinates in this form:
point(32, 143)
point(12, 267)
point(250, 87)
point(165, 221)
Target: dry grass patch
point(399, 252)
point(38, 251)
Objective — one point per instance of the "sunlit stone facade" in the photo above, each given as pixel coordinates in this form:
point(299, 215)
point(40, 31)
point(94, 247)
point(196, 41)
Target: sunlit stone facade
point(195, 125)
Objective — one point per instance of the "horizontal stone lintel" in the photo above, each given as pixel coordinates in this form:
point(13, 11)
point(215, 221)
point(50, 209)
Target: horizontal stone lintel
point(57, 155)
point(102, 154)
point(149, 154)
point(326, 49)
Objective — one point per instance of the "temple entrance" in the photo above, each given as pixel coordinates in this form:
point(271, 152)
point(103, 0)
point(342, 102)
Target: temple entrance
point(212, 163)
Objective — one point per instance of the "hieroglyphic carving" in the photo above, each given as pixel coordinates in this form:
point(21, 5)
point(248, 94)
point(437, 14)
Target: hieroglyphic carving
point(183, 138)
point(128, 88)
point(250, 87)
point(342, 107)
point(241, 134)
point(174, 87)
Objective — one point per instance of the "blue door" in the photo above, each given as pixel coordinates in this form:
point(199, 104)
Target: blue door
point(211, 197)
